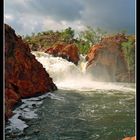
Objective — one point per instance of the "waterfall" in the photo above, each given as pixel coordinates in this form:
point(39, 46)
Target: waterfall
point(60, 69)
point(82, 64)
point(66, 75)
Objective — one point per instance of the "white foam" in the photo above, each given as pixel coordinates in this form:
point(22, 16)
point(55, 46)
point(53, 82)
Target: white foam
point(67, 75)
point(28, 111)
point(86, 84)
point(16, 123)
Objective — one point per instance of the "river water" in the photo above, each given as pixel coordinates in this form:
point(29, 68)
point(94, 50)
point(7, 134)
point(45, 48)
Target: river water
point(81, 108)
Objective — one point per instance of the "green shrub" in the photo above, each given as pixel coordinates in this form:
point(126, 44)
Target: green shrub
point(129, 54)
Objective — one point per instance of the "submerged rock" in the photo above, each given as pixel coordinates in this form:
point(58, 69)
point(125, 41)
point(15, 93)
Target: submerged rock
point(69, 52)
point(24, 75)
point(106, 60)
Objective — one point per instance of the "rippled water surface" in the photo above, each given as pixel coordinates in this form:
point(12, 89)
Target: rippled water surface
point(75, 115)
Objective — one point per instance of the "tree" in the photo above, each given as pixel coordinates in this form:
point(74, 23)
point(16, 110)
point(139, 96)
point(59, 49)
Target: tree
point(67, 35)
point(88, 37)
point(92, 36)
point(129, 54)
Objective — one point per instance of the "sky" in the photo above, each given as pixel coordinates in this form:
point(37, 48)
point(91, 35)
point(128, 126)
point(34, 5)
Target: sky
point(32, 16)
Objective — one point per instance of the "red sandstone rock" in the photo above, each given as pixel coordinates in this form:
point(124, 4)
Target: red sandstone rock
point(130, 138)
point(24, 75)
point(107, 60)
point(91, 55)
point(69, 52)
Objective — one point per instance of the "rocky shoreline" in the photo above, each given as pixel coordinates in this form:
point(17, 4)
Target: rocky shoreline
point(24, 75)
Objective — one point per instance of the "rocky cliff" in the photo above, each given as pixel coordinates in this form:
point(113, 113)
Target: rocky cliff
point(24, 75)
point(106, 60)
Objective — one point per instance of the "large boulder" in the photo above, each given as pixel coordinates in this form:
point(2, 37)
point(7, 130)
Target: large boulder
point(69, 52)
point(106, 60)
point(24, 75)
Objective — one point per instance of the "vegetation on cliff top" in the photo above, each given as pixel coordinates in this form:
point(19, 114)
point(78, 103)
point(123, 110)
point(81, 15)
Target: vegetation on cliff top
point(84, 40)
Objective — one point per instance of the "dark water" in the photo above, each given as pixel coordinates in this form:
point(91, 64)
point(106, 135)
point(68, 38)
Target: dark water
point(77, 115)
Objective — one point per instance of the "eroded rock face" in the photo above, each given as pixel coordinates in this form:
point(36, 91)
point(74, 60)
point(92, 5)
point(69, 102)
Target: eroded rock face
point(24, 75)
point(69, 52)
point(130, 138)
point(106, 60)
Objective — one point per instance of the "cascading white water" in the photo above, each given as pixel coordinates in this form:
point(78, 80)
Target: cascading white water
point(66, 75)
